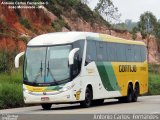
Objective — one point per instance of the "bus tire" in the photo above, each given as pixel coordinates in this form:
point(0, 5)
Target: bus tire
point(135, 93)
point(129, 97)
point(46, 106)
point(88, 98)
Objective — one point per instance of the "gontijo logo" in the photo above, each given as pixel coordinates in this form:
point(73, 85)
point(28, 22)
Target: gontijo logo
point(127, 68)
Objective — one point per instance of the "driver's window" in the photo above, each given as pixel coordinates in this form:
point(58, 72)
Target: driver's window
point(78, 57)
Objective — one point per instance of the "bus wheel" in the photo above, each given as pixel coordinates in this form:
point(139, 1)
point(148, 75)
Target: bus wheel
point(46, 106)
point(88, 99)
point(129, 97)
point(98, 102)
point(135, 93)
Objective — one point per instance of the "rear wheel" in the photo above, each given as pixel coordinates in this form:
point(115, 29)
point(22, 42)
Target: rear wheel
point(88, 99)
point(46, 106)
point(135, 93)
point(129, 97)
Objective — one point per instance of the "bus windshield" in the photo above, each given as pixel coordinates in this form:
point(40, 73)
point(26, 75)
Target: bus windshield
point(47, 64)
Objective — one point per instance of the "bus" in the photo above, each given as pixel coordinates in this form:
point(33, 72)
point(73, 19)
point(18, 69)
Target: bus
point(83, 67)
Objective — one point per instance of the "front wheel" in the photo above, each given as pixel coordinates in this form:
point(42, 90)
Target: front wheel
point(46, 106)
point(88, 99)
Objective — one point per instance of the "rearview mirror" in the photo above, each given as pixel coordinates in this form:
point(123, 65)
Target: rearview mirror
point(71, 55)
point(17, 59)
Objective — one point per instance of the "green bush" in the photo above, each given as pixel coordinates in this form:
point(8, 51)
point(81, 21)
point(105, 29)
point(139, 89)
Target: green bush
point(3, 27)
point(3, 64)
point(7, 60)
point(59, 24)
point(154, 84)
point(154, 79)
point(11, 94)
point(154, 68)
point(25, 23)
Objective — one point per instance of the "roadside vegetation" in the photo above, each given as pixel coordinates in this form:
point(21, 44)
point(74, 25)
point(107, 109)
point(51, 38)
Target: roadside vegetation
point(11, 94)
point(154, 79)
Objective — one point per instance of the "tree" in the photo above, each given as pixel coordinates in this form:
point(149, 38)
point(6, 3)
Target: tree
point(134, 31)
point(147, 26)
point(107, 10)
point(157, 34)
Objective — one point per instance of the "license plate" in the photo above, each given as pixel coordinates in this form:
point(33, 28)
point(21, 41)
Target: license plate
point(44, 98)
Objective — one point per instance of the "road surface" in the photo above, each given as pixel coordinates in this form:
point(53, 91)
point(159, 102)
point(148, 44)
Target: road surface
point(145, 104)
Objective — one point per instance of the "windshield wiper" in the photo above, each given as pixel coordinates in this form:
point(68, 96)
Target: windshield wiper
point(41, 68)
point(48, 70)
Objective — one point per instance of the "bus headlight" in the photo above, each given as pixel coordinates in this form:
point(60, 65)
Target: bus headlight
point(25, 89)
point(68, 87)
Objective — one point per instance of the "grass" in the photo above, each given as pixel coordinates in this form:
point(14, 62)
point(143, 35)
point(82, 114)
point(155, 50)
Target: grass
point(11, 94)
point(154, 83)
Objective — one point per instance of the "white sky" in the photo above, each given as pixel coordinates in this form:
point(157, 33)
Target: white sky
point(132, 9)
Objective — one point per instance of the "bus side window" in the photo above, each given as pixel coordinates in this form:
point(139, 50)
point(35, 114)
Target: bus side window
point(91, 52)
point(130, 53)
point(101, 51)
point(137, 53)
point(143, 53)
point(121, 54)
point(111, 50)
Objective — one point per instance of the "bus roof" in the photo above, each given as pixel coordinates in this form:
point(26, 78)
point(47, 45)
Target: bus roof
point(69, 37)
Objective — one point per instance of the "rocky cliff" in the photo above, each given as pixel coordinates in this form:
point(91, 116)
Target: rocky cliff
point(18, 26)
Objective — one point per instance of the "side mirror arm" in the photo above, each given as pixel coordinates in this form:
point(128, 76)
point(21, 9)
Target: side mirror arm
point(71, 55)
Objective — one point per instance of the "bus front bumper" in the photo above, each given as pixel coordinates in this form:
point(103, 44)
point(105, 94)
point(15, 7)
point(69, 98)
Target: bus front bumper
point(48, 97)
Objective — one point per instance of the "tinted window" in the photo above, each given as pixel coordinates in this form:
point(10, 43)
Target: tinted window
point(116, 52)
point(143, 53)
point(130, 53)
point(91, 51)
point(111, 52)
point(78, 57)
point(101, 51)
point(137, 53)
point(79, 44)
point(121, 53)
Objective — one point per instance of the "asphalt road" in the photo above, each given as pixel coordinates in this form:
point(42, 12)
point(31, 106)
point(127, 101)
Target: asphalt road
point(145, 104)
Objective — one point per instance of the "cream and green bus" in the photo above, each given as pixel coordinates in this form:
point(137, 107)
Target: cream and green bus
point(82, 67)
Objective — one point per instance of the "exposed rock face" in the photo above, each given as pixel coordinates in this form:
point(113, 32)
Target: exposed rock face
point(11, 28)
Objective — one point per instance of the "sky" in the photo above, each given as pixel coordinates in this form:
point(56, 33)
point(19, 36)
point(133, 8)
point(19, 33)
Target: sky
point(132, 9)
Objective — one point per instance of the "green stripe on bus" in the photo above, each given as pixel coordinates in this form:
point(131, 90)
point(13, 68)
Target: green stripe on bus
point(111, 75)
point(104, 76)
point(107, 76)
